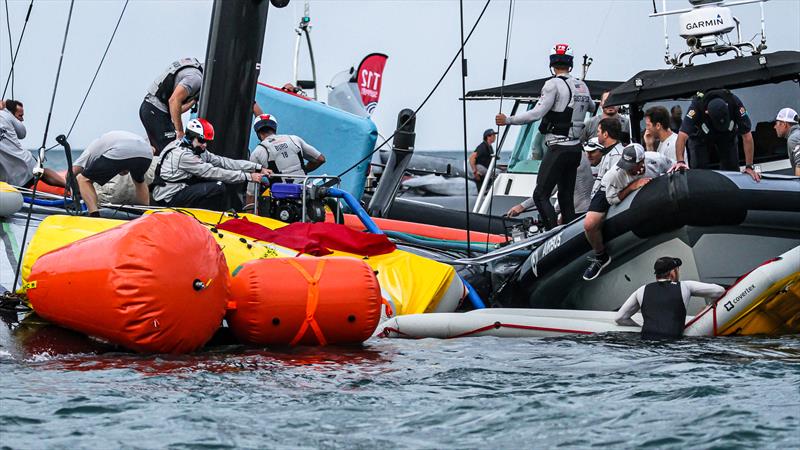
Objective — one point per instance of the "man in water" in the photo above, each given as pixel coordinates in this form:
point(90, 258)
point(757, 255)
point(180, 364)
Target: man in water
point(114, 153)
point(656, 121)
point(189, 176)
point(16, 163)
point(619, 182)
point(715, 119)
point(285, 154)
point(562, 106)
point(609, 112)
point(481, 158)
point(664, 302)
point(786, 126)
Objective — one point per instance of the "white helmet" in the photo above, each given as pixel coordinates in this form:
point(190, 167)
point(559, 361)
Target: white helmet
point(561, 55)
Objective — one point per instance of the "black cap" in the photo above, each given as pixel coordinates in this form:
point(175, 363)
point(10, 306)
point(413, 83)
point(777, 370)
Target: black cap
point(666, 263)
point(489, 132)
point(719, 114)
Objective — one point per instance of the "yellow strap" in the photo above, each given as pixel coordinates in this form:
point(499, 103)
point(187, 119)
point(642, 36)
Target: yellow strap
point(311, 302)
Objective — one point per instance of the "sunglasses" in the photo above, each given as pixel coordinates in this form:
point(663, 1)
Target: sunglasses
point(201, 140)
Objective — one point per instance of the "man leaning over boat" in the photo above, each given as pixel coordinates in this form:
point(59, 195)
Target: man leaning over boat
point(189, 176)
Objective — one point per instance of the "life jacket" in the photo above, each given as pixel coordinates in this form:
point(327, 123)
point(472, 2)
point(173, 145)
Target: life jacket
point(733, 111)
point(284, 155)
point(558, 122)
point(163, 86)
point(663, 310)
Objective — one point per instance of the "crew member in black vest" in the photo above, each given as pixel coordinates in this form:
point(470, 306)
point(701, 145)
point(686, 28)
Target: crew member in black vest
point(663, 302)
point(716, 119)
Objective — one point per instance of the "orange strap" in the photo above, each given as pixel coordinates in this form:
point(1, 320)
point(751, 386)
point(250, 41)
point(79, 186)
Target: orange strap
point(311, 302)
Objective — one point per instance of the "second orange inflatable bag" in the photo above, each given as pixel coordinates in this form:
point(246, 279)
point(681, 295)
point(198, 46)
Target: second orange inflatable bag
point(304, 301)
point(158, 284)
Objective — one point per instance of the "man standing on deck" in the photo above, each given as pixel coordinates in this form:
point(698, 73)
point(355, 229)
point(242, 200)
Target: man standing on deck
point(189, 176)
point(663, 303)
point(114, 153)
point(16, 163)
point(608, 112)
point(619, 182)
point(656, 121)
point(481, 158)
point(562, 106)
point(715, 119)
point(786, 126)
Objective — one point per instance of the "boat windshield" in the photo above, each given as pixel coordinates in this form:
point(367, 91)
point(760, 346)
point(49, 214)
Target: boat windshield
point(762, 102)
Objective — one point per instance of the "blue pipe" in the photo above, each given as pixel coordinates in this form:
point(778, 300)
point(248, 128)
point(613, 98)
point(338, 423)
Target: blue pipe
point(40, 202)
point(354, 206)
point(473, 296)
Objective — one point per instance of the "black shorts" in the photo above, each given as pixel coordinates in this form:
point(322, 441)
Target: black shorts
point(599, 202)
point(159, 127)
point(104, 169)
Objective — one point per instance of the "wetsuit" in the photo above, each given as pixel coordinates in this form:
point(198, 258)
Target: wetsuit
point(703, 137)
point(663, 304)
point(184, 178)
point(562, 106)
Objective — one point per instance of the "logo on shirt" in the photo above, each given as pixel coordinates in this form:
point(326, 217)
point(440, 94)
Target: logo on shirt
point(742, 111)
point(690, 114)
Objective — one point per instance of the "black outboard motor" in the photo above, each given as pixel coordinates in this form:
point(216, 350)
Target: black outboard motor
point(284, 202)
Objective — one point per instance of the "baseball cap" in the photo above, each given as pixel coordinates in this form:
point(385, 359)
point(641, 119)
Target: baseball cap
point(488, 133)
point(719, 114)
point(665, 264)
point(592, 145)
point(631, 156)
point(787, 115)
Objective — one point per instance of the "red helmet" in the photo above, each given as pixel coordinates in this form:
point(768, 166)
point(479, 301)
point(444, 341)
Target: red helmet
point(561, 55)
point(200, 129)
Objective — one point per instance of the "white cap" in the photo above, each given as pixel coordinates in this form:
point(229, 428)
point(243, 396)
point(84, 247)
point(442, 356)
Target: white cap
point(787, 115)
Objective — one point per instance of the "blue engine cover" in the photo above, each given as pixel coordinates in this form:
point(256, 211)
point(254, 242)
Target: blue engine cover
point(286, 190)
point(342, 137)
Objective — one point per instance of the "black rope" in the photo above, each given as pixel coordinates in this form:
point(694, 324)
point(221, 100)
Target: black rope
point(10, 48)
point(509, 23)
point(464, 114)
point(16, 52)
point(114, 33)
point(58, 74)
point(39, 172)
point(430, 94)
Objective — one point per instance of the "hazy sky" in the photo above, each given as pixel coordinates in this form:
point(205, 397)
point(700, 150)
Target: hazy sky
point(419, 36)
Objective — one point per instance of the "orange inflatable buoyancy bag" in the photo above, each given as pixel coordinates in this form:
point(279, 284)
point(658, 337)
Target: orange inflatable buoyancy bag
point(158, 284)
point(306, 301)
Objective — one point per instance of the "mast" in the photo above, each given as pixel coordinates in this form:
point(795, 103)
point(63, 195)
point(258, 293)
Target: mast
point(235, 42)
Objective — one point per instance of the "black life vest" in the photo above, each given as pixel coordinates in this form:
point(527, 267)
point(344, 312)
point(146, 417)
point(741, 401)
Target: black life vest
point(663, 310)
point(558, 123)
point(162, 88)
point(704, 122)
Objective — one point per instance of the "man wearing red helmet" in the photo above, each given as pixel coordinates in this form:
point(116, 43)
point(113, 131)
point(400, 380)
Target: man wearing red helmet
point(283, 153)
point(191, 177)
point(562, 107)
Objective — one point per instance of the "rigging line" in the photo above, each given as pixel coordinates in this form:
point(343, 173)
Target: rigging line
point(58, 75)
point(464, 113)
point(16, 52)
point(430, 94)
point(509, 26)
point(10, 46)
point(114, 33)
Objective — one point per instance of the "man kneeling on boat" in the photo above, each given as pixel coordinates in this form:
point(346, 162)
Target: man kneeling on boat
point(189, 176)
point(284, 154)
point(620, 180)
point(114, 153)
point(663, 302)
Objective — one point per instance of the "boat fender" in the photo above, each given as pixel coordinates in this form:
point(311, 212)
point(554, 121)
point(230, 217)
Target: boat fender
point(10, 200)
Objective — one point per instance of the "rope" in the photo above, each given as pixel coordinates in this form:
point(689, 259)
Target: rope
point(430, 94)
point(464, 113)
point(114, 33)
point(10, 47)
point(39, 173)
point(15, 53)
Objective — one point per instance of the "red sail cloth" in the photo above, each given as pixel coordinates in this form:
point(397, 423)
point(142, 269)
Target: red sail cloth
point(316, 239)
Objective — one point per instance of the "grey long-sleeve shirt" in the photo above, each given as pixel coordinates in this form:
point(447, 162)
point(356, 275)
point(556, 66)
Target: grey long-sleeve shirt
point(181, 164)
point(16, 163)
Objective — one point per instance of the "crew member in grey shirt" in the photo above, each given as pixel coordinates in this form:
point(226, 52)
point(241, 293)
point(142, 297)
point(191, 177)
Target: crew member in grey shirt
point(590, 128)
point(16, 163)
point(786, 126)
point(114, 153)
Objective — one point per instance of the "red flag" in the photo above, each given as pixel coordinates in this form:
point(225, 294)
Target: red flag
point(370, 79)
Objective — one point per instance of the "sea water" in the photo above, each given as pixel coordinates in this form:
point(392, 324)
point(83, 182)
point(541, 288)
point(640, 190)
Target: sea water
point(612, 391)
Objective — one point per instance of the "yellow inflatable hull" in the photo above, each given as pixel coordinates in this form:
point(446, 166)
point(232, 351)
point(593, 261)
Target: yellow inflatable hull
point(412, 283)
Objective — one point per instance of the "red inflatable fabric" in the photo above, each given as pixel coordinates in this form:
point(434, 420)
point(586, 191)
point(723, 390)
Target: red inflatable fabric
point(158, 284)
point(316, 239)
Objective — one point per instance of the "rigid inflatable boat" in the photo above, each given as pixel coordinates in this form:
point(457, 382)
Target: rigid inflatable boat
point(764, 301)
